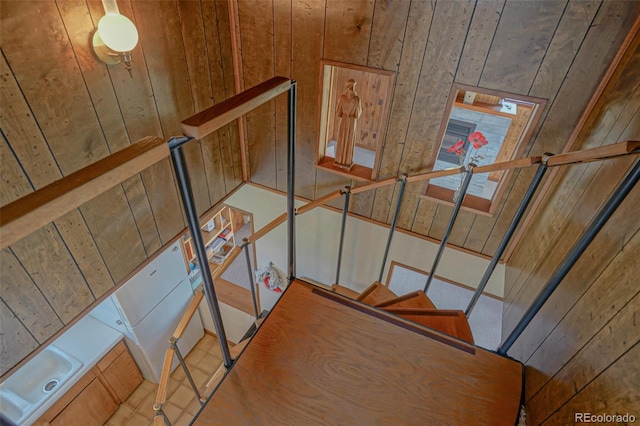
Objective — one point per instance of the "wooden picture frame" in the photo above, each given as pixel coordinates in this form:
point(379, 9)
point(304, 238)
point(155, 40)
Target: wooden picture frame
point(374, 87)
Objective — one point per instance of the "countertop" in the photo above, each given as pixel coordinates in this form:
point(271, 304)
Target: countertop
point(88, 341)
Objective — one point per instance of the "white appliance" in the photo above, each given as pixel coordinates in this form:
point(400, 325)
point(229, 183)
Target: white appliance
point(147, 309)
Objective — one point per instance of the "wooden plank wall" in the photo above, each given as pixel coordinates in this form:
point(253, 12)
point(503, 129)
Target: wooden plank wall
point(62, 110)
point(581, 350)
point(556, 50)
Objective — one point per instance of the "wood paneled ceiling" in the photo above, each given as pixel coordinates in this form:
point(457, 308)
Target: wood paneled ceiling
point(61, 110)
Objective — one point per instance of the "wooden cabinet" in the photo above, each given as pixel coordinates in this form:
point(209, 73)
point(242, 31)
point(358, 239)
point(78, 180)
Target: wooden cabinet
point(92, 406)
point(96, 396)
point(119, 372)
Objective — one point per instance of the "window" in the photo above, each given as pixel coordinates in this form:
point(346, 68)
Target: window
point(500, 124)
point(355, 104)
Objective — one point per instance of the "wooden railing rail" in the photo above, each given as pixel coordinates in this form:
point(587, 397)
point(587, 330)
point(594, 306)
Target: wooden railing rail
point(188, 314)
point(322, 200)
point(507, 165)
point(435, 174)
point(268, 228)
point(211, 119)
point(595, 154)
point(235, 252)
point(374, 185)
point(31, 212)
point(161, 394)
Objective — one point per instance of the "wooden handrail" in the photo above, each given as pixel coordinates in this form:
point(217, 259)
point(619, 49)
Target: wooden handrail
point(31, 212)
point(435, 174)
point(211, 119)
point(324, 199)
point(188, 314)
point(595, 154)
point(374, 185)
point(235, 252)
point(161, 395)
point(504, 165)
point(268, 228)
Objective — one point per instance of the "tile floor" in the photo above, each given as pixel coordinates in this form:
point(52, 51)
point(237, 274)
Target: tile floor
point(182, 404)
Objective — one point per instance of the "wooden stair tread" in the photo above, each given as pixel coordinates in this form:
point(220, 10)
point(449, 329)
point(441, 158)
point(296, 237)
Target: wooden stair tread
point(310, 332)
point(451, 322)
point(213, 382)
point(376, 293)
point(345, 291)
point(416, 299)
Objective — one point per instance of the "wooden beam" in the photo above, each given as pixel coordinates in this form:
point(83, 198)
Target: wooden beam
point(379, 184)
point(595, 154)
point(211, 119)
point(506, 165)
point(29, 213)
point(268, 228)
point(238, 84)
point(188, 314)
point(322, 200)
point(435, 174)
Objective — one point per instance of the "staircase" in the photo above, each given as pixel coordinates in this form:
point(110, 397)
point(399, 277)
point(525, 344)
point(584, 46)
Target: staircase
point(321, 357)
point(415, 307)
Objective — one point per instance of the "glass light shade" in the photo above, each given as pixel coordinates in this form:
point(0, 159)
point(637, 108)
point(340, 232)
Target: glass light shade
point(118, 32)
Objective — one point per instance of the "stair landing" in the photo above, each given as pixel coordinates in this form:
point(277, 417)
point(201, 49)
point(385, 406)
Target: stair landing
point(320, 358)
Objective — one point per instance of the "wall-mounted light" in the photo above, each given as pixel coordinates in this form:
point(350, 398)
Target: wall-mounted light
point(115, 37)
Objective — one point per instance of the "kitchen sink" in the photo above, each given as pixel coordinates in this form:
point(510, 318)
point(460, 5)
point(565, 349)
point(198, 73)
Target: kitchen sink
point(37, 381)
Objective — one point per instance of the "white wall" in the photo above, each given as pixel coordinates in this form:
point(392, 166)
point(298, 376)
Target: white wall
point(317, 239)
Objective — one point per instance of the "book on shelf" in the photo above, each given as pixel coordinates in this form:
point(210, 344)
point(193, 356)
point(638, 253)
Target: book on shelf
point(220, 255)
point(215, 245)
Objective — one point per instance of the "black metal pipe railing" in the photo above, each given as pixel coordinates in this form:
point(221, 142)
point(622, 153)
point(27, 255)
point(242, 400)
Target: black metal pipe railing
point(174, 344)
point(245, 246)
point(186, 193)
point(403, 183)
point(291, 164)
point(467, 174)
point(528, 196)
point(590, 232)
point(345, 212)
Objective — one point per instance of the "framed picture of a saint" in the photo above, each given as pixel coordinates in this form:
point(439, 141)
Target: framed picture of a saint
point(354, 110)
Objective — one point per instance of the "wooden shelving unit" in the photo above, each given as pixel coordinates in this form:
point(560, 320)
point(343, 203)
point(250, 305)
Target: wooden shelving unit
point(218, 234)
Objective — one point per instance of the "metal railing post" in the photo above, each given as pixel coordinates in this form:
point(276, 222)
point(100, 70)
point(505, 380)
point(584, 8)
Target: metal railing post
point(174, 344)
point(403, 183)
point(508, 234)
point(345, 211)
point(590, 232)
point(245, 246)
point(454, 214)
point(159, 411)
point(291, 163)
point(186, 193)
